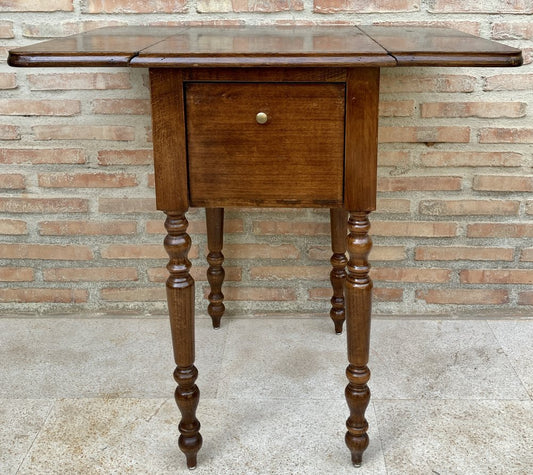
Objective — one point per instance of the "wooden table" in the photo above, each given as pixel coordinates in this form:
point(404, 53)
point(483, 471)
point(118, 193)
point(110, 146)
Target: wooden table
point(275, 117)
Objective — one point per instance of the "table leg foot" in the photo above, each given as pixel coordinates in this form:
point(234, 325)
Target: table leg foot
point(358, 288)
point(338, 262)
point(180, 297)
point(187, 396)
point(215, 273)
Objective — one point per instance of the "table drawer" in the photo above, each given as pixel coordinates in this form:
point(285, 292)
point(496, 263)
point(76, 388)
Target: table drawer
point(295, 158)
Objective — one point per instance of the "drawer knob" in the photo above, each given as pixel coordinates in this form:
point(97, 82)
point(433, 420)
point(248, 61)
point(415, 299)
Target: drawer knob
point(261, 118)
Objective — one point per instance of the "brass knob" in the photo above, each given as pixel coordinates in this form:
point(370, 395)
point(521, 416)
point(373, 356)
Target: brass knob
point(261, 118)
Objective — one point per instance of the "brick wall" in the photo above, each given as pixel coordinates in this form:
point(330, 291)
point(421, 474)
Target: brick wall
point(78, 230)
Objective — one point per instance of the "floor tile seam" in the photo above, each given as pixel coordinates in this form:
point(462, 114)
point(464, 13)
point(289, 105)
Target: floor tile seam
point(509, 360)
point(47, 417)
point(294, 316)
point(379, 400)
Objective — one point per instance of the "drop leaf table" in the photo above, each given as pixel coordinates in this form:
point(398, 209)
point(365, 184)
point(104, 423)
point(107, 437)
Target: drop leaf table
point(267, 117)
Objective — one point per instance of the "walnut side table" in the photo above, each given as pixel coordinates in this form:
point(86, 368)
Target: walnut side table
point(267, 117)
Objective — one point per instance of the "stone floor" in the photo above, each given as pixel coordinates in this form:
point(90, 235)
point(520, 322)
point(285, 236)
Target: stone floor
point(94, 396)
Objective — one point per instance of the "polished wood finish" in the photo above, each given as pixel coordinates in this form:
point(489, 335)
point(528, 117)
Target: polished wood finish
point(215, 273)
point(319, 87)
point(358, 309)
point(338, 262)
point(360, 173)
point(267, 46)
point(294, 159)
point(427, 46)
point(168, 131)
point(180, 297)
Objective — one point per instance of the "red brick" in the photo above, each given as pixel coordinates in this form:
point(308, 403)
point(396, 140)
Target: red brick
point(378, 253)
point(86, 180)
point(473, 109)
point(9, 132)
point(66, 81)
point(414, 229)
point(391, 81)
point(509, 82)
point(12, 181)
point(261, 251)
point(89, 274)
point(257, 294)
point(486, 6)
point(219, 6)
point(199, 273)
point(291, 227)
point(290, 272)
point(140, 251)
point(471, 27)
point(396, 108)
point(410, 274)
point(44, 205)
point(505, 135)
point(424, 134)
point(6, 29)
point(8, 81)
point(16, 274)
point(45, 107)
point(497, 276)
point(45, 251)
point(464, 296)
point(503, 183)
point(135, 6)
point(125, 157)
point(126, 205)
point(121, 106)
point(87, 228)
point(379, 294)
point(456, 253)
point(365, 6)
point(392, 206)
point(50, 30)
point(500, 230)
point(420, 183)
point(42, 156)
point(13, 226)
point(527, 255)
point(512, 30)
point(35, 295)
point(84, 132)
point(525, 298)
point(133, 294)
point(529, 207)
point(469, 207)
point(393, 158)
point(36, 5)
point(470, 159)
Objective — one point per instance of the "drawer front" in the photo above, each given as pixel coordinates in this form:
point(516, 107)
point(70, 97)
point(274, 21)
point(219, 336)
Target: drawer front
point(295, 158)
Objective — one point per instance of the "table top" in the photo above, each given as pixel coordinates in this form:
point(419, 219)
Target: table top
point(263, 46)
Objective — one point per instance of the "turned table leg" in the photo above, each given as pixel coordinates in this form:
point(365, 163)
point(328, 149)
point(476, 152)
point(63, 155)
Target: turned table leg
point(215, 273)
point(338, 261)
point(358, 310)
point(180, 296)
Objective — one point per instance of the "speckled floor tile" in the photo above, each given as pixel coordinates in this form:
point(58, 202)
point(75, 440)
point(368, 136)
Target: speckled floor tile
point(448, 359)
point(106, 357)
point(456, 437)
point(94, 436)
point(301, 358)
point(20, 422)
point(516, 339)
